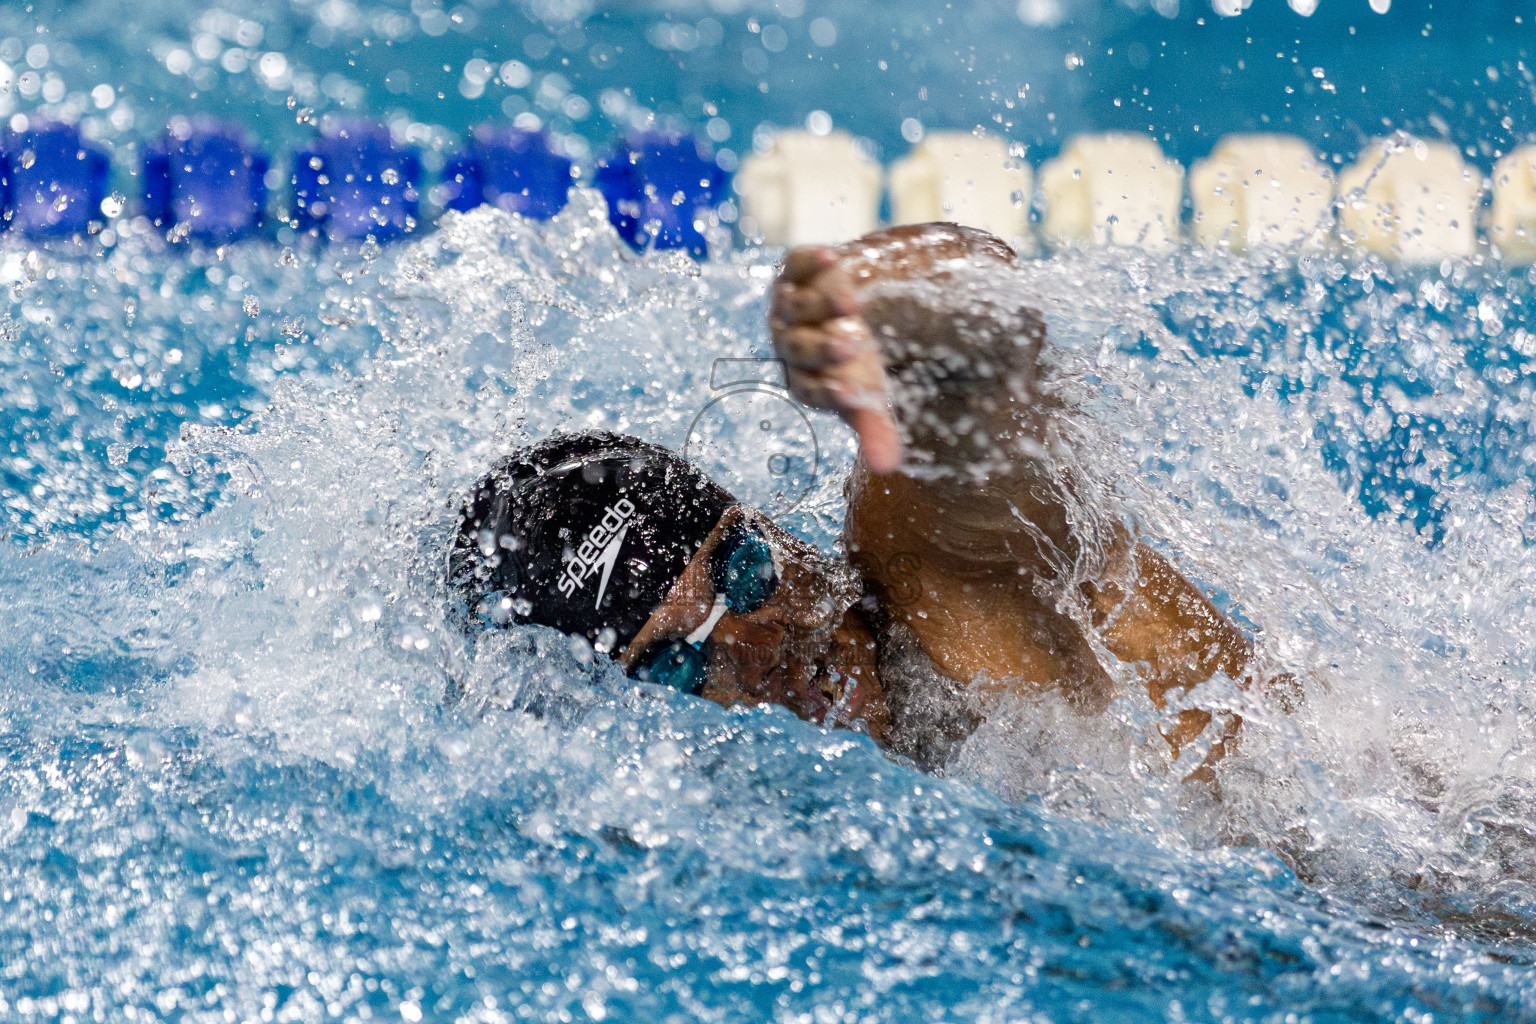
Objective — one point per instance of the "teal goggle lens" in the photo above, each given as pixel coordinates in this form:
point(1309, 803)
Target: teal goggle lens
point(675, 663)
point(742, 569)
point(743, 572)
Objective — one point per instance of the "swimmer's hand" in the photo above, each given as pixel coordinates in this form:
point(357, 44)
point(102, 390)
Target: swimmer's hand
point(830, 351)
point(844, 319)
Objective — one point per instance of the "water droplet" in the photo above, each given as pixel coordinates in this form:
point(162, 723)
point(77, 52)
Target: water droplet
point(367, 607)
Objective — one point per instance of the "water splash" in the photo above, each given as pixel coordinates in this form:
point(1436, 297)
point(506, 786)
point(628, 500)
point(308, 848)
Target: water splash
point(245, 740)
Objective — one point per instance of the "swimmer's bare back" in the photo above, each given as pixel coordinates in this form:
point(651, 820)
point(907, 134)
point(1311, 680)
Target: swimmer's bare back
point(960, 519)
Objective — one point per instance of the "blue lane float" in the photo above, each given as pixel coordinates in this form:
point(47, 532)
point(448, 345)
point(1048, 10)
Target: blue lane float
point(658, 186)
point(518, 171)
point(355, 182)
point(206, 179)
point(57, 181)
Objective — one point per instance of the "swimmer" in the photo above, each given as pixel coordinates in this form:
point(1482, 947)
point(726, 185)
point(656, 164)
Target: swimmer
point(978, 565)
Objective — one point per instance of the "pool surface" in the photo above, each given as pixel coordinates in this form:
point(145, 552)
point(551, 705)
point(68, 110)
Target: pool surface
point(251, 768)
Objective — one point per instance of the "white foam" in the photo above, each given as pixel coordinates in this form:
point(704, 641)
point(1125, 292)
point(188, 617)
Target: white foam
point(970, 180)
point(1261, 191)
point(1511, 222)
point(1410, 200)
point(1112, 189)
point(810, 190)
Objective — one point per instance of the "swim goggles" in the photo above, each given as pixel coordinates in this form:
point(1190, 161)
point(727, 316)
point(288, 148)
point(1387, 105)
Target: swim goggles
point(745, 576)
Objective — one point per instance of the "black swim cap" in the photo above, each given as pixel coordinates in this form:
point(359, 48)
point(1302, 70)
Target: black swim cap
point(583, 532)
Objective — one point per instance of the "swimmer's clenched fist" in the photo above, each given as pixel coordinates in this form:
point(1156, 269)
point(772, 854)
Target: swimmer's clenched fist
point(829, 351)
point(833, 328)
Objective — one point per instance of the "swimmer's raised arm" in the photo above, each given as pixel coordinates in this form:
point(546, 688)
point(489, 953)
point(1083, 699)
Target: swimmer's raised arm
point(916, 337)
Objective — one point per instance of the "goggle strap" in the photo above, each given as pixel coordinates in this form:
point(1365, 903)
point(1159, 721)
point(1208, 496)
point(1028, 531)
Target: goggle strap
point(701, 634)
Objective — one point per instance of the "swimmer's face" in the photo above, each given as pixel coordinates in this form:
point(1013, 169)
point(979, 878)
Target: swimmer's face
point(798, 649)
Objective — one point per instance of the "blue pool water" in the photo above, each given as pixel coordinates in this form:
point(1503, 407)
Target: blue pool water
point(231, 786)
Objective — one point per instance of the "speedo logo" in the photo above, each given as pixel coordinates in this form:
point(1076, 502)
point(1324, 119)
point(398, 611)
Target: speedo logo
point(600, 549)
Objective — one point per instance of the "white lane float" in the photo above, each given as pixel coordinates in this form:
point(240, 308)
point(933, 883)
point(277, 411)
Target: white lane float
point(967, 179)
point(810, 189)
point(1511, 222)
point(1410, 200)
point(1116, 188)
point(1261, 191)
